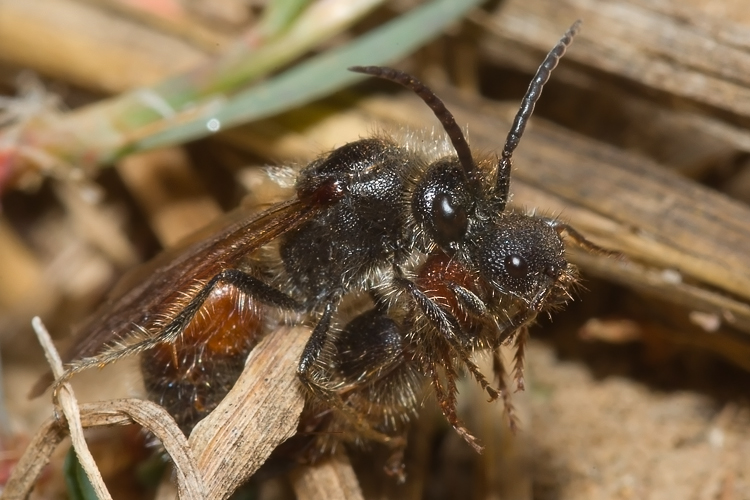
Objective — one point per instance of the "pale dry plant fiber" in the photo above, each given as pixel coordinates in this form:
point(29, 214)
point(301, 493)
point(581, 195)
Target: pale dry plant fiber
point(65, 400)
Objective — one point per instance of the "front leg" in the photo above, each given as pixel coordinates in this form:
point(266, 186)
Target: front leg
point(450, 329)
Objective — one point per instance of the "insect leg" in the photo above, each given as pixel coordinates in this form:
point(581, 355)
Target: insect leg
point(518, 360)
point(470, 302)
point(315, 344)
point(498, 367)
point(318, 379)
point(468, 299)
point(375, 377)
point(447, 324)
point(517, 327)
point(145, 339)
point(446, 398)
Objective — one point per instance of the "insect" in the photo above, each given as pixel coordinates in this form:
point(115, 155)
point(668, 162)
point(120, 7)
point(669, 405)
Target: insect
point(403, 258)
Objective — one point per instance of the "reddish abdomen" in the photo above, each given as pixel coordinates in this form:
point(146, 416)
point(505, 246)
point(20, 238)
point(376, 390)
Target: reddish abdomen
point(191, 376)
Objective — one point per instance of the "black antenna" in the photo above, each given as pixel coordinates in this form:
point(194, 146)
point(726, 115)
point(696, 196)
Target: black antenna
point(437, 106)
point(527, 108)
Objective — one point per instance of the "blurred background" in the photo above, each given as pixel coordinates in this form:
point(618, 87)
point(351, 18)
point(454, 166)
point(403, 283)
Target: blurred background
point(126, 125)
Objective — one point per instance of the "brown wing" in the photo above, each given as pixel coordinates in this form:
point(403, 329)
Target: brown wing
point(160, 285)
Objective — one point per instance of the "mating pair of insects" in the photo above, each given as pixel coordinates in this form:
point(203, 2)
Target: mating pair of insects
point(401, 256)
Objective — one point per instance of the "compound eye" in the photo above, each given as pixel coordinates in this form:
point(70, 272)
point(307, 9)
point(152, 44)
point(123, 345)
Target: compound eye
point(451, 220)
point(516, 266)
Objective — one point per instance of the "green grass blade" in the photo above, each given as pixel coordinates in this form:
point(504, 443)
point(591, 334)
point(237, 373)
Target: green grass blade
point(321, 75)
point(77, 482)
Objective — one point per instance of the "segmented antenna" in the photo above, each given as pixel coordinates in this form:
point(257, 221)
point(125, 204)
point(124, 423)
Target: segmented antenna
point(527, 107)
point(437, 106)
point(535, 89)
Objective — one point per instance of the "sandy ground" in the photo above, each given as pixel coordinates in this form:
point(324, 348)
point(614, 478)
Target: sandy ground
point(616, 438)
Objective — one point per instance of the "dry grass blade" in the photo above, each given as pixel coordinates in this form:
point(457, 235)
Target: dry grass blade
point(332, 479)
point(261, 411)
point(670, 46)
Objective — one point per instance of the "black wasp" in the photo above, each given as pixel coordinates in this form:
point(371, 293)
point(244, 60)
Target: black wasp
point(402, 257)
